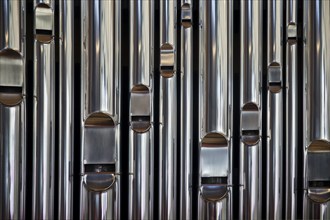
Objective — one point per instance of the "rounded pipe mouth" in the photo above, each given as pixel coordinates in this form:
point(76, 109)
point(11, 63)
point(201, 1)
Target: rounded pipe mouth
point(214, 140)
point(99, 119)
point(250, 117)
point(319, 146)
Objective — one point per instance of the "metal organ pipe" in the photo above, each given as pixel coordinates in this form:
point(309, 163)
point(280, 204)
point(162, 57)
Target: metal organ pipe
point(250, 102)
point(316, 110)
point(168, 111)
point(44, 110)
point(141, 144)
point(291, 145)
point(100, 105)
point(66, 111)
point(275, 110)
point(215, 135)
point(186, 108)
point(12, 110)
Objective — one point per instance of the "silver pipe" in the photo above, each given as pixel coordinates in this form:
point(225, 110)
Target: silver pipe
point(66, 111)
point(44, 112)
point(215, 165)
point(186, 108)
point(316, 110)
point(291, 145)
point(141, 145)
point(12, 110)
point(100, 105)
point(275, 110)
point(250, 99)
point(168, 111)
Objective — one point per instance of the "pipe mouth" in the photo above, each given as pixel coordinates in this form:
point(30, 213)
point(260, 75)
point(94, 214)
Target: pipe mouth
point(214, 140)
point(250, 116)
point(11, 77)
point(167, 60)
point(43, 23)
point(186, 19)
point(274, 77)
point(319, 191)
point(140, 109)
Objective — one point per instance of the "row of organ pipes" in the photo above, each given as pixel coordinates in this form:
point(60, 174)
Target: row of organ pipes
point(100, 121)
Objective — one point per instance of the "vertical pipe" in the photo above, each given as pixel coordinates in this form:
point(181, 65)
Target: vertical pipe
point(141, 145)
point(316, 109)
point(65, 186)
point(250, 100)
point(168, 111)
point(12, 110)
point(291, 145)
point(44, 103)
point(275, 110)
point(186, 108)
point(100, 100)
point(215, 165)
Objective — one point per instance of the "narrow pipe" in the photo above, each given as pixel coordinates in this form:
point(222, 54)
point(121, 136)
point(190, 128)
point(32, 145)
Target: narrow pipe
point(66, 111)
point(316, 110)
point(141, 145)
point(100, 105)
point(251, 117)
point(12, 110)
point(168, 112)
point(275, 149)
point(186, 108)
point(44, 112)
point(291, 145)
point(215, 163)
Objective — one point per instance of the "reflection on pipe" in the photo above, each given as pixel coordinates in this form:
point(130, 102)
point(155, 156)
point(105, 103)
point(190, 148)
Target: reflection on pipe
point(141, 152)
point(168, 112)
point(12, 110)
point(100, 105)
point(274, 193)
point(65, 175)
point(215, 163)
point(44, 112)
point(316, 110)
point(250, 147)
point(186, 108)
point(291, 145)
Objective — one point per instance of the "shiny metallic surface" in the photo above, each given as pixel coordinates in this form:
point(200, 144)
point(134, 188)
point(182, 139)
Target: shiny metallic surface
point(44, 117)
point(316, 106)
point(275, 110)
point(215, 122)
point(186, 108)
point(291, 142)
point(250, 101)
point(100, 105)
point(141, 133)
point(167, 193)
point(66, 132)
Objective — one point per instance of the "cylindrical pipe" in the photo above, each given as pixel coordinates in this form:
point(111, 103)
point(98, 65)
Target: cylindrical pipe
point(12, 110)
point(66, 111)
point(44, 112)
point(168, 112)
point(316, 109)
point(215, 163)
point(100, 106)
point(250, 102)
point(274, 193)
point(186, 109)
point(141, 145)
point(291, 145)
